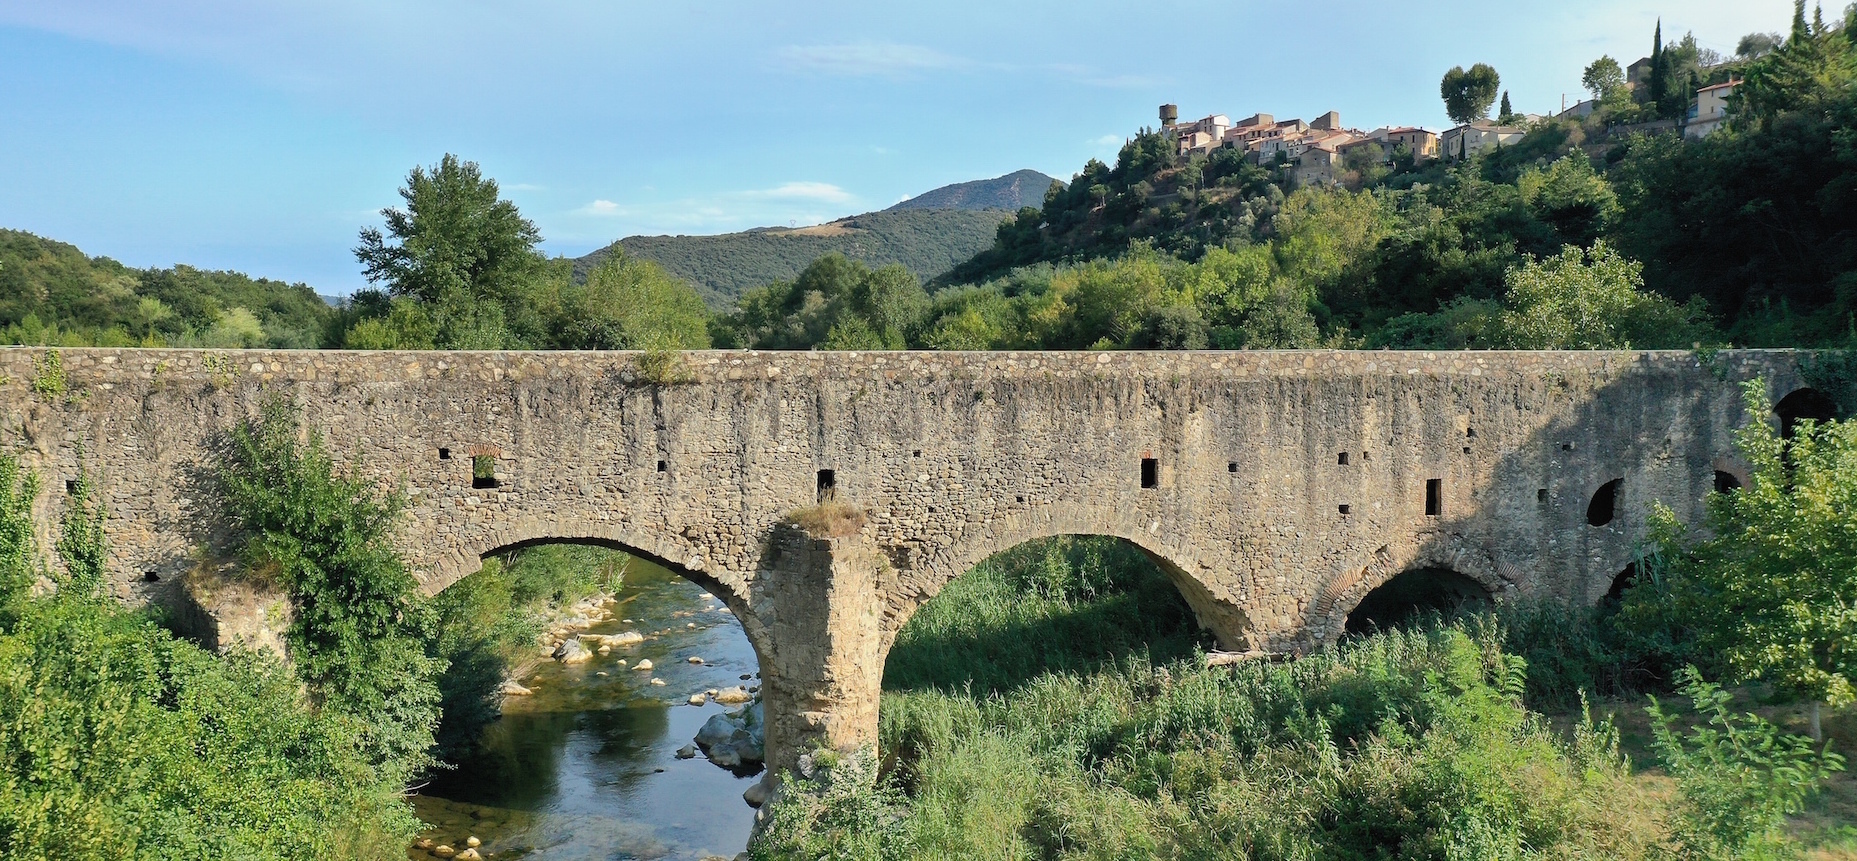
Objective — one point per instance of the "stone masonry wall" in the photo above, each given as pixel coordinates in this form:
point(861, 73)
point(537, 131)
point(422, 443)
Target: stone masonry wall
point(954, 456)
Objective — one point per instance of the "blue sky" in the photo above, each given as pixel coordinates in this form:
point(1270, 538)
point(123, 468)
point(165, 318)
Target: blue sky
point(261, 136)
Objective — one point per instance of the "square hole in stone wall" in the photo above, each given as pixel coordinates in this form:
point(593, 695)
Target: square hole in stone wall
point(444, 454)
point(1541, 495)
point(1150, 472)
point(483, 472)
point(1345, 509)
point(1232, 467)
point(1341, 459)
point(827, 485)
point(1434, 497)
point(664, 466)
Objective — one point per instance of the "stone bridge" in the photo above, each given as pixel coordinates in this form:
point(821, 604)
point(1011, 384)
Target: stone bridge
point(1276, 489)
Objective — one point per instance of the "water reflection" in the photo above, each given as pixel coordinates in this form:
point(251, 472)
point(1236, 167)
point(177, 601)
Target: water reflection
point(585, 768)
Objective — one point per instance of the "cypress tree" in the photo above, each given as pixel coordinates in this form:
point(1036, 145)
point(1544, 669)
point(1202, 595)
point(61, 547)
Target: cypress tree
point(1659, 71)
point(1507, 115)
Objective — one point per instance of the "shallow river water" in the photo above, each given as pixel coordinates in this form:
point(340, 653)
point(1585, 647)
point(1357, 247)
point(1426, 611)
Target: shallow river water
point(585, 768)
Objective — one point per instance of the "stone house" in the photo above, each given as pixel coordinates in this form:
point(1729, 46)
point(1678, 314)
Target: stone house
point(1468, 140)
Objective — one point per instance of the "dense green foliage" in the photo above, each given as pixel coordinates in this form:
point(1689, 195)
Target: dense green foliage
point(1767, 594)
point(1073, 740)
point(1404, 745)
point(1741, 777)
point(461, 271)
point(927, 242)
point(52, 294)
point(320, 532)
point(1468, 94)
point(118, 740)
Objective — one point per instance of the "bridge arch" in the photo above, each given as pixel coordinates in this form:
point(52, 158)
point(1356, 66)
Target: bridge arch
point(674, 557)
point(1802, 404)
point(1328, 616)
point(1215, 608)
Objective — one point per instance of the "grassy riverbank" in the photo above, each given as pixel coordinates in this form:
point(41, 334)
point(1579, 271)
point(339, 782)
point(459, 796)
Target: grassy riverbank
point(1088, 727)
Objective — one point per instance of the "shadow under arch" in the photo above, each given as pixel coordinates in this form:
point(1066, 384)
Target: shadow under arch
point(1802, 404)
point(1415, 593)
point(1215, 609)
point(1058, 603)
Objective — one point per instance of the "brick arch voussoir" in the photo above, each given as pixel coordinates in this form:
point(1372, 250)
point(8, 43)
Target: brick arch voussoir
point(1344, 590)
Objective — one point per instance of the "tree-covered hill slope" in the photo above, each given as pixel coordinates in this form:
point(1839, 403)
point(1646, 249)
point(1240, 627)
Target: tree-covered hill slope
point(928, 235)
point(53, 293)
point(1010, 192)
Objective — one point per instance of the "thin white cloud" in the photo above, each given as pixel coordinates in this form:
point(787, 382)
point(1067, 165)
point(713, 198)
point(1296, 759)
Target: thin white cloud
point(1107, 140)
point(820, 191)
point(602, 208)
point(872, 59)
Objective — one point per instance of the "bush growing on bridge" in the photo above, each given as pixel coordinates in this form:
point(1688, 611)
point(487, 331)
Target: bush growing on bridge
point(322, 533)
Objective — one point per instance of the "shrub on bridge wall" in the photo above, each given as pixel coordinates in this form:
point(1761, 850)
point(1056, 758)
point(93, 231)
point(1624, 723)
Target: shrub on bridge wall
point(829, 519)
point(359, 636)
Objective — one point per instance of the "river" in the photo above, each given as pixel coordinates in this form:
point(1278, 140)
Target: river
point(585, 768)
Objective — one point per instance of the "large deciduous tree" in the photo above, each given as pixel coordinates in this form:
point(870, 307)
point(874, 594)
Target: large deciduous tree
point(1603, 78)
point(1769, 589)
point(1469, 94)
point(457, 248)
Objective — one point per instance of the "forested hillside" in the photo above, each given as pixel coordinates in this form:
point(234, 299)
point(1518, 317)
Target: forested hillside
point(1010, 193)
point(926, 241)
point(52, 293)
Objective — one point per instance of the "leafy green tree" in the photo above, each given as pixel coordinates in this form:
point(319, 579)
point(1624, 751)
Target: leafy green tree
point(1468, 94)
point(1816, 67)
point(1740, 776)
point(631, 304)
point(1769, 588)
point(459, 249)
point(1753, 46)
point(1506, 114)
point(1571, 198)
point(323, 534)
point(1603, 78)
point(1593, 300)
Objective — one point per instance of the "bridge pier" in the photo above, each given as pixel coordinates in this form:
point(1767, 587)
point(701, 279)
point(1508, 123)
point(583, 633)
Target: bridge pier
point(821, 599)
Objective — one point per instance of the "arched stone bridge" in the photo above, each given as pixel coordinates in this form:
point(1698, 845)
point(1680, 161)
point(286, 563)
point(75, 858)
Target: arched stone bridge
point(1276, 488)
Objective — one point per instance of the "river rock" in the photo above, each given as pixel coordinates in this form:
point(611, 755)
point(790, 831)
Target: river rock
point(473, 842)
point(444, 850)
point(695, 660)
point(756, 795)
point(470, 855)
point(733, 696)
point(572, 652)
point(733, 738)
point(423, 843)
point(643, 666)
point(657, 683)
point(698, 699)
point(513, 688)
point(688, 751)
point(626, 638)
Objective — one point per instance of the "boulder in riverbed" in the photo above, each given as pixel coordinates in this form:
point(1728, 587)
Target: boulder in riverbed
point(643, 666)
point(513, 688)
point(732, 696)
point(733, 738)
point(572, 652)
